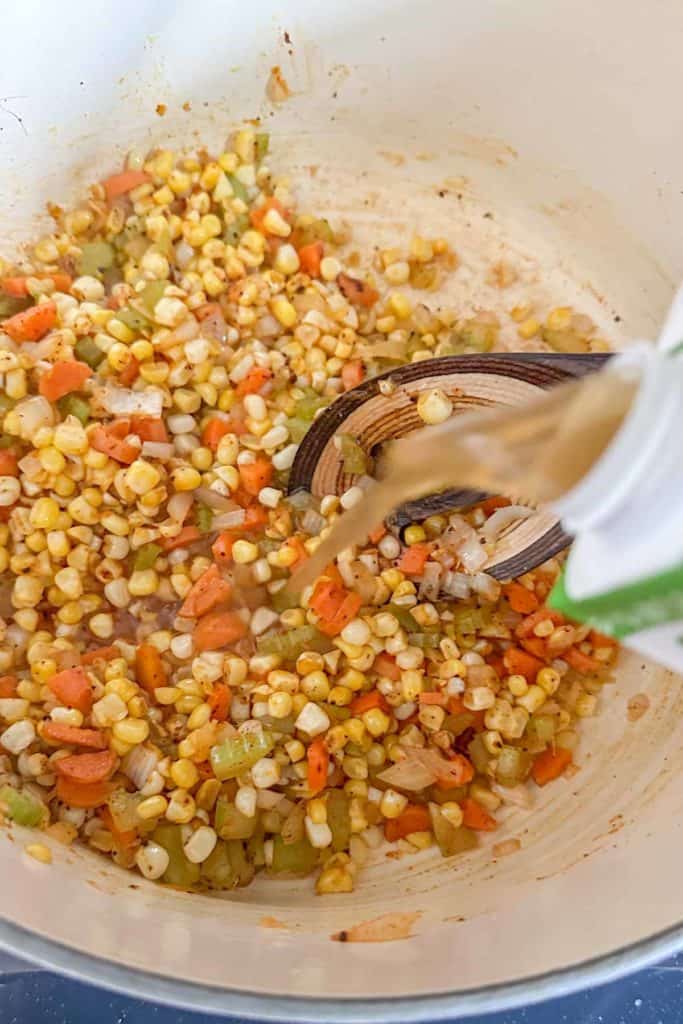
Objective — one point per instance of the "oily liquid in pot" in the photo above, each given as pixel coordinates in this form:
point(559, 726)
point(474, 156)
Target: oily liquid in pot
point(532, 453)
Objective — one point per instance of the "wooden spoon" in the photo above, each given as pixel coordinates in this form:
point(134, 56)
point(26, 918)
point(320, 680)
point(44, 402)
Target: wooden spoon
point(385, 407)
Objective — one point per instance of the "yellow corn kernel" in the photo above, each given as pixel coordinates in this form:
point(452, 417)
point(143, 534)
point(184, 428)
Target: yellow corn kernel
point(184, 773)
point(283, 310)
point(376, 722)
point(529, 328)
point(152, 807)
point(415, 534)
point(354, 729)
point(39, 852)
point(559, 319)
point(131, 730)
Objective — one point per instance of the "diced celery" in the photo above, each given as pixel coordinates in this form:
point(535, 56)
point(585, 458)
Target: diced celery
point(298, 858)
point(217, 869)
point(262, 143)
point(180, 870)
point(231, 823)
point(234, 756)
point(234, 231)
point(290, 645)
point(424, 640)
point(88, 351)
point(353, 457)
point(9, 305)
point(298, 428)
point(203, 518)
point(479, 755)
point(457, 724)
point(541, 728)
point(334, 712)
point(96, 257)
point(338, 819)
point(469, 620)
point(405, 619)
point(72, 405)
point(513, 766)
point(282, 600)
point(238, 188)
point(242, 868)
point(134, 319)
point(151, 293)
point(146, 556)
point(255, 852)
point(22, 807)
point(478, 336)
point(308, 406)
point(451, 840)
point(123, 807)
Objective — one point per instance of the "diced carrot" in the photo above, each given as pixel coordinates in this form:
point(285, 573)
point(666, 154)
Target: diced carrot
point(296, 543)
point(385, 665)
point(415, 818)
point(253, 382)
point(33, 324)
point(497, 664)
point(17, 287)
point(8, 463)
point(535, 645)
point(110, 439)
point(8, 686)
point(433, 699)
point(359, 293)
point(460, 772)
point(219, 702)
point(216, 428)
point(527, 626)
point(550, 764)
point(73, 736)
point(119, 184)
point(477, 817)
point(376, 535)
point(124, 839)
point(63, 378)
point(310, 258)
point(72, 687)
point(129, 373)
point(87, 768)
point(217, 629)
point(326, 598)
point(332, 573)
point(78, 794)
point(209, 590)
point(520, 599)
point(149, 428)
point(256, 475)
point(345, 613)
point(188, 535)
point(207, 310)
point(489, 505)
point(255, 517)
point(100, 654)
point(456, 706)
point(599, 640)
point(413, 559)
point(520, 663)
point(222, 547)
point(582, 662)
point(318, 759)
point(258, 216)
point(352, 374)
point(150, 671)
point(367, 702)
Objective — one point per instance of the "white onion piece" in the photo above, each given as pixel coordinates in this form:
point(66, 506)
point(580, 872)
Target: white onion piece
point(188, 330)
point(214, 499)
point(312, 522)
point(123, 402)
point(179, 505)
point(456, 584)
point(229, 520)
point(370, 560)
point(464, 542)
point(518, 795)
point(408, 774)
point(33, 414)
point(486, 586)
point(502, 518)
point(430, 583)
point(158, 450)
point(267, 327)
point(138, 765)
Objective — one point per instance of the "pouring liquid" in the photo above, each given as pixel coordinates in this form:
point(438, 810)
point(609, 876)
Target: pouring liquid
point(531, 453)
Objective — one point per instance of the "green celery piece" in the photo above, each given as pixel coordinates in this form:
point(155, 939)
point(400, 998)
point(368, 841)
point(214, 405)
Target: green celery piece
point(479, 755)
point(203, 518)
point(298, 858)
point(231, 823)
point(242, 868)
point(134, 319)
point(406, 620)
point(339, 820)
point(469, 620)
point(353, 457)
point(146, 556)
point(293, 643)
point(298, 428)
point(234, 231)
point(513, 766)
point(151, 293)
point(238, 188)
point(72, 405)
point(308, 406)
point(334, 712)
point(21, 807)
point(96, 257)
point(180, 870)
point(88, 351)
point(282, 600)
point(451, 840)
point(217, 869)
point(262, 145)
point(234, 756)
point(123, 807)
point(424, 640)
point(458, 724)
point(10, 304)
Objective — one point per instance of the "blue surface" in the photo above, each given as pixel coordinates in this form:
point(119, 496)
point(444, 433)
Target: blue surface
point(654, 996)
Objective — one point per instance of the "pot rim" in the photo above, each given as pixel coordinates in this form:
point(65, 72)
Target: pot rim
point(187, 995)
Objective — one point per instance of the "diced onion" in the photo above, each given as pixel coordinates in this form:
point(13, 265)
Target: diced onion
point(215, 500)
point(229, 520)
point(157, 450)
point(34, 413)
point(138, 765)
point(502, 518)
point(456, 584)
point(421, 768)
point(430, 584)
point(123, 402)
point(464, 542)
point(312, 522)
point(179, 505)
point(486, 586)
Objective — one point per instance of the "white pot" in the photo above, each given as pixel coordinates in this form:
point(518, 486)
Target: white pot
point(560, 118)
